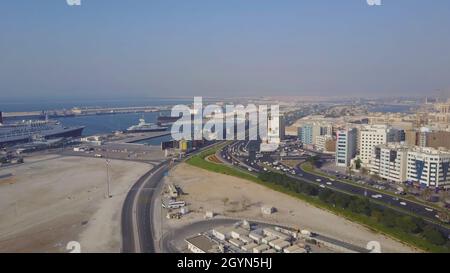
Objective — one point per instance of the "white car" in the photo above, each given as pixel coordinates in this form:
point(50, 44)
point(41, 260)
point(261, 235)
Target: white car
point(428, 209)
point(403, 203)
point(322, 186)
point(329, 183)
point(318, 180)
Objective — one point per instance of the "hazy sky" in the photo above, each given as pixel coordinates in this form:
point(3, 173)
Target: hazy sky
point(160, 48)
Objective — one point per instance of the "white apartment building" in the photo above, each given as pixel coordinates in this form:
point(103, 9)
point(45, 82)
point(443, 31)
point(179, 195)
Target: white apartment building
point(373, 135)
point(429, 167)
point(345, 147)
point(389, 161)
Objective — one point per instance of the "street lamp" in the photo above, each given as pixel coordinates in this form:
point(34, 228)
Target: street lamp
point(108, 194)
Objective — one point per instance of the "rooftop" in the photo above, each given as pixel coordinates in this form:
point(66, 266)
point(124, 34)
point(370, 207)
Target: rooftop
point(203, 243)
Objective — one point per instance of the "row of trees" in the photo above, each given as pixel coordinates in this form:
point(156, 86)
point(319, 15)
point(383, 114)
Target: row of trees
point(361, 205)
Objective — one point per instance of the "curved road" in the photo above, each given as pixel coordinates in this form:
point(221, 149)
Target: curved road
point(137, 212)
point(137, 228)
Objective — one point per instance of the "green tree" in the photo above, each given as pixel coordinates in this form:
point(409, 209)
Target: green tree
point(407, 224)
point(389, 218)
point(358, 163)
point(314, 160)
point(377, 215)
point(434, 236)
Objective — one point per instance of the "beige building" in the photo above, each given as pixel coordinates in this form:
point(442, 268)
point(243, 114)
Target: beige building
point(202, 244)
point(325, 143)
point(427, 138)
point(373, 135)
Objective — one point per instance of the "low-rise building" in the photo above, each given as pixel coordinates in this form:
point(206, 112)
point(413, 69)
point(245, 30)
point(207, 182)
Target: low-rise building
point(249, 247)
point(261, 248)
point(268, 239)
point(273, 233)
point(279, 244)
point(95, 140)
point(222, 233)
point(236, 242)
point(239, 232)
point(294, 249)
point(246, 239)
point(256, 237)
point(202, 244)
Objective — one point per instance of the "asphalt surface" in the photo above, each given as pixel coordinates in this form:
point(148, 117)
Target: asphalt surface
point(137, 212)
point(384, 201)
point(141, 210)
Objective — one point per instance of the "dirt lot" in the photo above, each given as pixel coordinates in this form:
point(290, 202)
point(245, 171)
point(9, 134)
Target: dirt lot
point(51, 200)
point(238, 198)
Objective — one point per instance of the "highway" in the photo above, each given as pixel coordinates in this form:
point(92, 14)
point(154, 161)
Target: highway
point(137, 222)
point(385, 200)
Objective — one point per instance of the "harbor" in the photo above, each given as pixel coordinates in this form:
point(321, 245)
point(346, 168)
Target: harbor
point(135, 138)
point(76, 112)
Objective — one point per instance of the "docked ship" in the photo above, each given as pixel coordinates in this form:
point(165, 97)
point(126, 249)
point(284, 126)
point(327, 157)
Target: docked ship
point(167, 120)
point(24, 131)
point(146, 127)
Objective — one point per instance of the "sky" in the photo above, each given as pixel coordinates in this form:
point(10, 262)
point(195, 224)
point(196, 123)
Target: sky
point(222, 48)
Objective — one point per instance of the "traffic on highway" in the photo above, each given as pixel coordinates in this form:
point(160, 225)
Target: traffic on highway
point(238, 155)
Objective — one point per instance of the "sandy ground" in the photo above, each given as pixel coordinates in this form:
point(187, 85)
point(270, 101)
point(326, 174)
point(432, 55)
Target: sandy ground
point(51, 200)
point(238, 198)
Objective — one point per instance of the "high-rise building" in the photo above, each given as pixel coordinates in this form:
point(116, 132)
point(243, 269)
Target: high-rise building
point(373, 135)
point(345, 147)
point(275, 129)
point(282, 127)
point(429, 167)
point(389, 161)
point(308, 133)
